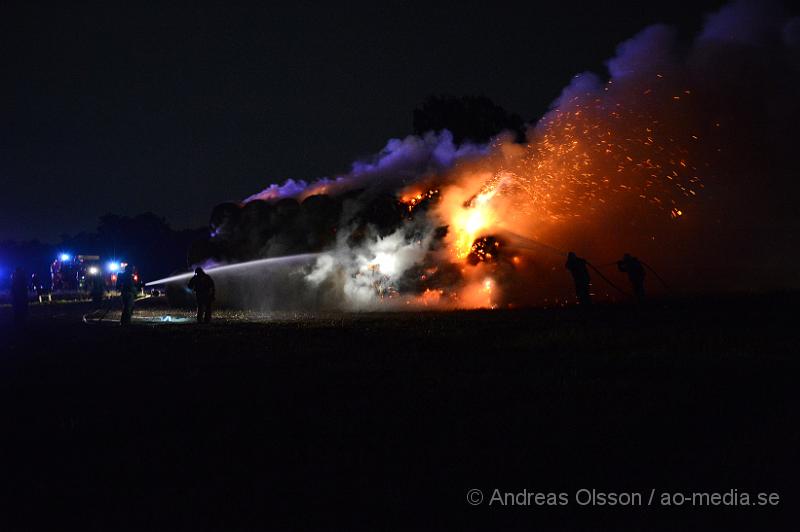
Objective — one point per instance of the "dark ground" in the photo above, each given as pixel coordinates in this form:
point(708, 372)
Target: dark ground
point(385, 421)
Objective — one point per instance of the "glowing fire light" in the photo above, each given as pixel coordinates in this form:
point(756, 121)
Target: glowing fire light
point(469, 222)
point(412, 200)
point(431, 297)
point(589, 156)
point(488, 285)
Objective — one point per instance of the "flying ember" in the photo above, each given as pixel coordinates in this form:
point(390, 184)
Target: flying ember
point(642, 162)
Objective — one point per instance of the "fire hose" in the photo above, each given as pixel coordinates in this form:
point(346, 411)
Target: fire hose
point(666, 286)
point(660, 279)
point(87, 319)
point(603, 277)
point(540, 246)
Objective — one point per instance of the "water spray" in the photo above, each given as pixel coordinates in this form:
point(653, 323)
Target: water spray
point(232, 268)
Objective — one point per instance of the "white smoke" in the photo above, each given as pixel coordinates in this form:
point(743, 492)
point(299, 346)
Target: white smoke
point(400, 162)
point(742, 71)
point(370, 274)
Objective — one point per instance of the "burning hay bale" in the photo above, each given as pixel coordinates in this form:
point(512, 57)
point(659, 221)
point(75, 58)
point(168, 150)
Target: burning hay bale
point(653, 159)
point(484, 249)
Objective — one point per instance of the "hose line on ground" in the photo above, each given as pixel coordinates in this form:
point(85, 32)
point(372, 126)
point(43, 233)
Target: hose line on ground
point(606, 279)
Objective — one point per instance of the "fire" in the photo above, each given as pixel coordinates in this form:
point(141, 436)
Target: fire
point(414, 199)
point(485, 249)
point(618, 164)
point(487, 288)
point(592, 161)
point(588, 158)
point(480, 293)
point(469, 222)
point(599, 174)
point(431, 298)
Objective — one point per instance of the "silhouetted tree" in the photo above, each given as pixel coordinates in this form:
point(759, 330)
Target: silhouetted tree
point(145, 240)
point(474, 118)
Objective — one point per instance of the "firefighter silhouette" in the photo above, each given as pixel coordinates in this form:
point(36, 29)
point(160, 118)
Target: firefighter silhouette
point(203, 286)
point(577, 267)
point(636, 273)
point(126, 285)
point(19, 295)
point(97, 288)
point(42, 293)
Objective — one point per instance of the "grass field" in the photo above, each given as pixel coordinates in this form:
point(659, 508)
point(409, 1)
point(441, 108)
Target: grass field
point(386, 420)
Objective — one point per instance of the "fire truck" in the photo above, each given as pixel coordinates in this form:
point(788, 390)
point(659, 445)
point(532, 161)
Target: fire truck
point(85, 273)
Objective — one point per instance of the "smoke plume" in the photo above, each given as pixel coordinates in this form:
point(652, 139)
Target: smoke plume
point(682, 154)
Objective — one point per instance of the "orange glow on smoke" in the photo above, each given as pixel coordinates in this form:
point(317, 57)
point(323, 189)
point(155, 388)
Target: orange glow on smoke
point(585, 162)
point(598, 175)
point(430, 298)
point(412, 200)
point(469, 217)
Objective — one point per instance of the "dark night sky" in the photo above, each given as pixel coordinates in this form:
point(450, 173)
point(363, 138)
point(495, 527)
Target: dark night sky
point(173, 110)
